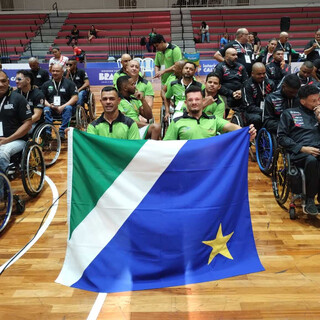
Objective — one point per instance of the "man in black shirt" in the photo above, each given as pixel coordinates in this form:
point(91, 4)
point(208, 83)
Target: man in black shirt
point(316, 70)
point(40, 75)
point(61, 96)
point(244, 50)
point(312, 48)
point(299, 133)
point(15, 121)
point(285, 46)
point(80, 78)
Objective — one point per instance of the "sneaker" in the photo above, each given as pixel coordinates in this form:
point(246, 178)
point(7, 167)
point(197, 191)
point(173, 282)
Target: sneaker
point(310, 207)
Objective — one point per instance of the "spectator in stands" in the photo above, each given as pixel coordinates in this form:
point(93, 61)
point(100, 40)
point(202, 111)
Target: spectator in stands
point(125, 58)
point(316, 70)
point(176, 90)
point(280, 100)
point(257, 43)
point(254, 92)
point(204, 32)
point(34, 96)
point(79, 54)
point(112, 123)
point(57, 58)
point(93, 33)
point(266, 55)
point(143, 86)
point(232, 75)
point(299, 133)
point(277, 69)
point(74, 35)
point(244, 51)
point(80, 78)
point(40, 75)
point(15, 119)
point(167, 55)
point(149, 45)
point(312, 48)
point(285, 46)
point(133, 106)
point(224, 40)
point(61, 96)
point(213, 103)
point(195, 124)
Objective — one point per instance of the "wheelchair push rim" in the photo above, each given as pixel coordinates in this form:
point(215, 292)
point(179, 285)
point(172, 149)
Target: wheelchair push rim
point(6, 201)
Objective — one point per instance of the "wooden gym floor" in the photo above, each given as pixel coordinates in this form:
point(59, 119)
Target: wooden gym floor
point(289, 288)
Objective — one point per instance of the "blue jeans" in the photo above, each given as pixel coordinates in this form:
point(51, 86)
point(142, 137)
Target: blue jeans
point(82, 96)
point(204, 35)
point(65, 116)
point(8, 150)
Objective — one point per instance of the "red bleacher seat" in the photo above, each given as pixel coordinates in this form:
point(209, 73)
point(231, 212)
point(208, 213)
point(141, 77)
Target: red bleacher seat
point(18, 35)
point(21, 22)
point(211, 45)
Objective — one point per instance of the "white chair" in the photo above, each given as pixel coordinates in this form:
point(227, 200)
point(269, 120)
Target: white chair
point(119, 63)
point(148, 66)
point(141, 65)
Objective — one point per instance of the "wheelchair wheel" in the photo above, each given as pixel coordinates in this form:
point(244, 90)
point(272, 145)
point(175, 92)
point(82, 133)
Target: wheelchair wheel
point(237, 119)
point(32, 169)
point(81, 119)
point(6, 201)
point(265, 149)
point(91, 106)
point(280, 176)
point(49, 142)
point(164, 124)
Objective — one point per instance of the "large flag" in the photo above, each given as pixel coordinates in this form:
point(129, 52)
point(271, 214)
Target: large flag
point(149, 214)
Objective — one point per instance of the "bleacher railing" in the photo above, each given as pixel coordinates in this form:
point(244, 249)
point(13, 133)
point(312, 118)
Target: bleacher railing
point(4, 56)
point(119, 45)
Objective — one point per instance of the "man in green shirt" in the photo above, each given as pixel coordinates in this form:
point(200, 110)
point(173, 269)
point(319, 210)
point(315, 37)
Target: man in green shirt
point(133, 105)
point(112, 123)
point(194, 124)
point(125, 58)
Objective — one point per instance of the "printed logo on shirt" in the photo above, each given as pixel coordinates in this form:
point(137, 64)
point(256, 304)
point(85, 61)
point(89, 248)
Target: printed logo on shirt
point(50, 88)
point(38, 75)
point(62, 89)
point(297, 118)
point(8, 106)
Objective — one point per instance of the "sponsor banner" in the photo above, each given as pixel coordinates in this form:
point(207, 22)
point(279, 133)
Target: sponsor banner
point(206, 66)
point(103, 74)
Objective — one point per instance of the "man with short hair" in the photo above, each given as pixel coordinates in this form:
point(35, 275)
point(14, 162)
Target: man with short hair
point(243, 49)
point(112, 123)
point(277, 69)
point(15, 122)
point(58, 58)
point(40, 75)
point(299, 133)
point(285, 46)
point(232, 75)
point(254, 92)
point(195, 124)
point(80, 78)
point(133, 107)
point(284, 98)
point(312, 48)
point(125, 58)
point(176, 90)
point(61, 96)
point(316, 70)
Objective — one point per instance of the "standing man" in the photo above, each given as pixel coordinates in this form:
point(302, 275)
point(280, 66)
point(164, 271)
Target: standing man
point(312, 48)
point(61, 96)
point(80, 78)
point(243, 49)
point(285, 46)
point(40, 75)
point(112, 123)
point(125, 58)
point(58, 58)
point(15, 122)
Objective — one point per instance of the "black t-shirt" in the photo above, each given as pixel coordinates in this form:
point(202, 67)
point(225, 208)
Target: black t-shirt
point(65, 90)
point(14, 111)
point(40, 77)
point(243, 51)
point(316, 63)
point(314, 54)
point(78, 78)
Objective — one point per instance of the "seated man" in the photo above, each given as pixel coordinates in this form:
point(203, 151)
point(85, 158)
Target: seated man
point(112, 123)
point(285, 46)
point(176, 90)
point(125, 58)
point(213, 102)
point(232, 75)
point(40, 75)
point(277, 69)
point(194, 124)
point(316, 70)
point(34, 96)
point(61, 96)
point(305, 74)
point(134, 106)
point(280, 100)
point(299, 133)
point(254, 92)
point(80, 78)
point(15, 122)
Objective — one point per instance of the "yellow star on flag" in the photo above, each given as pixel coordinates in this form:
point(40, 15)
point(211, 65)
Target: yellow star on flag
point(219, 245)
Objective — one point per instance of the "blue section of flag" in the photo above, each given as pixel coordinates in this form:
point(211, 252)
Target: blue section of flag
point(160, 244)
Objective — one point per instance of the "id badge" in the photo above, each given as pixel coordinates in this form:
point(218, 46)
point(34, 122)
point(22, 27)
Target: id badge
point(57, 101)
point(163, 67)
point(285, 56)
point(262, 105)
point(247, 58)
point(1, 129)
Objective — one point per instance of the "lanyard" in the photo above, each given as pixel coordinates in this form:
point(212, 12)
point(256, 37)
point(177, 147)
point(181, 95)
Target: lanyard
point(283, 47)
point(2, 102)
point(243, 48)
point(55, 86)
point(262, 88)
point(186, 87)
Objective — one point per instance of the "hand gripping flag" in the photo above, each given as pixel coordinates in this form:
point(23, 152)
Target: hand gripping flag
point(150, 214)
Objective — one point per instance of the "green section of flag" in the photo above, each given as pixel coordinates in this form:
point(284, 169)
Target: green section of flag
point(102, 159)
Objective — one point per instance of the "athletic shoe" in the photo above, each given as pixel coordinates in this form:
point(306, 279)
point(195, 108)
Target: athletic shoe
point(310, 207)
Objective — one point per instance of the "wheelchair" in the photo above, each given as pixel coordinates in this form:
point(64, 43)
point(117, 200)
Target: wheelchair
point(29, 165)
point(287, 179)
point(165, 124)
point(90, 106)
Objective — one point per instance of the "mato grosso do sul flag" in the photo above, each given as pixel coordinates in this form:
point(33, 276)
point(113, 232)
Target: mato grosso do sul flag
point(150, 214)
